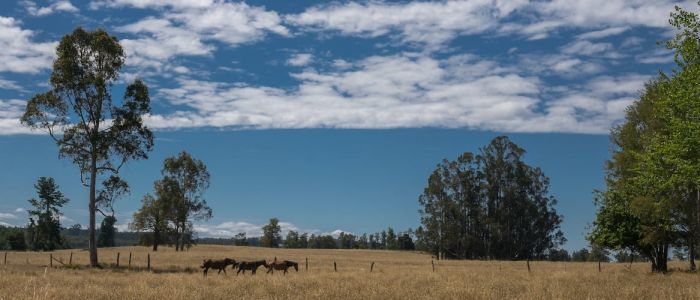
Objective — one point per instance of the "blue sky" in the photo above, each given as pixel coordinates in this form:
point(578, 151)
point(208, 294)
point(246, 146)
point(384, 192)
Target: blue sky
point(331, 115)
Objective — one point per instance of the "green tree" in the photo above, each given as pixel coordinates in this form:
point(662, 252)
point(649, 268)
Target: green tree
point(271, 234)
point(405, 242)
point(107, 232)
point(292, 240)
point(653, 178)
point(391, 243)
point(558, 255)
point(304, 241)
point(346, 240)
point(12, 238)
point(490, 205)
point(598, 253)
point(45, 216)
point(580, 255)
point(153, 217)
point(81, 116)
point(16, 241)
point(192, 179)
point(240, 239)
point(113, 189)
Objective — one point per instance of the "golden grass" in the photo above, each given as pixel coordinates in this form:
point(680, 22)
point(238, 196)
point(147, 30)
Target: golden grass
point(397, 275)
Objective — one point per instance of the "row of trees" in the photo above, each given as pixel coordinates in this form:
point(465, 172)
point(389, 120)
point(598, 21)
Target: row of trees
point(387, 239)
point(44, 231)
point(652, 200)
point(489, 206)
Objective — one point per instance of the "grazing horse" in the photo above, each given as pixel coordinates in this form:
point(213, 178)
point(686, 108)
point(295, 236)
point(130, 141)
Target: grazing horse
point(283, 265)
point(217, 264)
point(251, 265)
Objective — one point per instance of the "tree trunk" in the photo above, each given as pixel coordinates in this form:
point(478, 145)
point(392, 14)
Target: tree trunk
point(662, 258)
point(182, 239)
point(156, 239)
point(177, 236)
point(92, 209)
point(691, 255)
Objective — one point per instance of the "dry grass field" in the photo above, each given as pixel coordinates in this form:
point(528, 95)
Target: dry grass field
point(396, 275)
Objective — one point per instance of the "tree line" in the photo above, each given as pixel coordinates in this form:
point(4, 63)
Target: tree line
point(385, 240)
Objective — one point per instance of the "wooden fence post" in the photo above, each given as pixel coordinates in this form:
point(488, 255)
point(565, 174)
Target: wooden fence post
point(528, 265)
point(432, 262)
point(5, 257)
point(148, 261)
point(307, 263)
point(129, 260)
point(335, 267)
point(70, 260)
point(371, 267)
point(51, 260)
point(599, 265)
point(117, 259)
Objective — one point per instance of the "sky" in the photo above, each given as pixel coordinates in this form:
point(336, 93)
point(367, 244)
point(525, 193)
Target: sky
point(331, 115)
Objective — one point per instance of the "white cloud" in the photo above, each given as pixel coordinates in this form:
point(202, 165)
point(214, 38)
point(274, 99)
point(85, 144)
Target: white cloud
point(300, 59)
point(587, 48)
point(407, 90)
point(630, 84)
point(559, 64)
point(424, 22)
point(231, 228)
point(123, 227)
point(231, 23)
point(6, 224)
point(336, 233)
point(10, 85)
point(658, 56)
point(596, 14)
point(64, 6)
point(187, 28)
point(19, 210)
point(162, 41)
point(19, 53)
point(96, 4)
point(631, 42)
point(7, 216)
point(439, 22)
point(599, 34)
point(10, 112)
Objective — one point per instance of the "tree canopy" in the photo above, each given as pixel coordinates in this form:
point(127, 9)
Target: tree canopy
point(491, 205)
point(271, 234)
point(652, 199)
point(78, 112)
point(44, 218)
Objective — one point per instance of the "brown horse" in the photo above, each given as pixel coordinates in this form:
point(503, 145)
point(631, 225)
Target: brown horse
point(251, 265)
point(282, 265)
point(217, 264)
